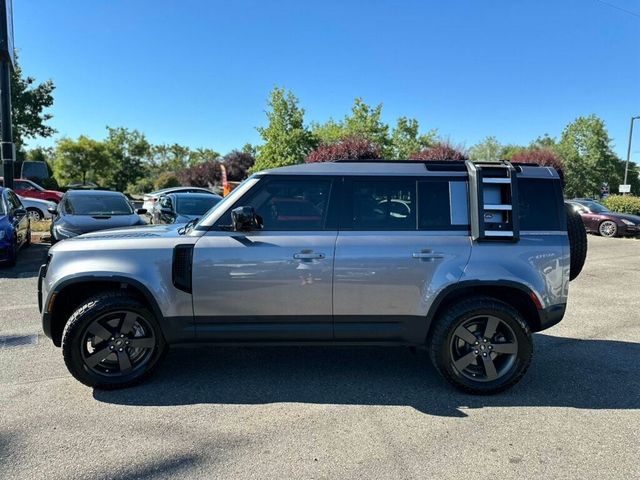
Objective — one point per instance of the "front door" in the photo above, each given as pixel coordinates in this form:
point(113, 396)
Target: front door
point(274, 283)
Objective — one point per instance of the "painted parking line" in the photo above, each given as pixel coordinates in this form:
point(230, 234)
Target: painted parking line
point(6, 308)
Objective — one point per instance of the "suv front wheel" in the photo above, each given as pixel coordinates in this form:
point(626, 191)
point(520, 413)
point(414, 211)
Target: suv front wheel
point(112, 341)
point(481, 345)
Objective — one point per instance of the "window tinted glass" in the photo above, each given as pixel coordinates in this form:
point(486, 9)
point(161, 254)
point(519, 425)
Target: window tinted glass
point(538, 205)
point(98, 205)
point(22, 185)
point(443, 205)
point(289, 204)
point(195, 206)
point(383, 205)
point(14, 201)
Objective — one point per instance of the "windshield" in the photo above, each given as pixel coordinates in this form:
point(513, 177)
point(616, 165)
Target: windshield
point(97, 205)
point(195, 206)
point(213, 214)
point(596, 207)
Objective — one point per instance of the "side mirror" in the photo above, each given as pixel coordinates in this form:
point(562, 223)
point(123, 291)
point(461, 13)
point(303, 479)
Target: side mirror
point(19, 212)
point(53, 210)
point(244, 219)
point(141, 211)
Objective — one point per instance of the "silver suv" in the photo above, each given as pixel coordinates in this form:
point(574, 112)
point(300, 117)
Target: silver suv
point(465, 259)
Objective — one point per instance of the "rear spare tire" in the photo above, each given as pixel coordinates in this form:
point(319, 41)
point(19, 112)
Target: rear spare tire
point(577, 242)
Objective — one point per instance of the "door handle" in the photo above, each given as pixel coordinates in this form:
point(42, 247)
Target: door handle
point(427, 254)
point(308, 256)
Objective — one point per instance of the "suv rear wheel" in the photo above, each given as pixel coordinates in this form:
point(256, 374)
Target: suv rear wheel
point(112, 341)
point(481, 345)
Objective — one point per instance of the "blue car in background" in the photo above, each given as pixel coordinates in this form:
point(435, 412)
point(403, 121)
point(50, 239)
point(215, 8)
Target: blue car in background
point(15, 226)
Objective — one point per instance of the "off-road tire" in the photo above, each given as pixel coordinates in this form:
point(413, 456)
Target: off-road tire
point(455, 315)
point(83, 317)
point(577, 242)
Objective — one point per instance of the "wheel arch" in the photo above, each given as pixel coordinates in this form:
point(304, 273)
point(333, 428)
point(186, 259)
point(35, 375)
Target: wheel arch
point(70, 293)
point(519, 296)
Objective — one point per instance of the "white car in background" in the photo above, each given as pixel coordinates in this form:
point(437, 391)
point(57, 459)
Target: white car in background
point(36, 208)
point(149, 200)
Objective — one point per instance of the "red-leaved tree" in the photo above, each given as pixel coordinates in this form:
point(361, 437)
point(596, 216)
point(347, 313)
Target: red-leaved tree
point(541, 156)
point(441, 152)
point(205, 174)
point(238, 164)
point(349, 148)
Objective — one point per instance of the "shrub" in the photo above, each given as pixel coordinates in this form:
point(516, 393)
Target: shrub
point(541, 156)
point(144, 185)
point(238, 164)
point(441, 152)
point(349, 148)
point(623, 204)
point(205, 174)
point(166, 180)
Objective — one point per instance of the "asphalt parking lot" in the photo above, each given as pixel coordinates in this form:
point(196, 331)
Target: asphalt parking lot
point(333, 412)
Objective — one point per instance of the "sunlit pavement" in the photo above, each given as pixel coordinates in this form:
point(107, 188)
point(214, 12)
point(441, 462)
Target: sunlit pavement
point(333, 412)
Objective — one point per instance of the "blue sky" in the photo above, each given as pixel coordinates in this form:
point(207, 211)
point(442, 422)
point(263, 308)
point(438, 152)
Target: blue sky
point(199, 72)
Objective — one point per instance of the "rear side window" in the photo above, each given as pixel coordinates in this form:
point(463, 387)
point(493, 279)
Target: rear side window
point(538, 204)
point(443, 205)
point(382, 205)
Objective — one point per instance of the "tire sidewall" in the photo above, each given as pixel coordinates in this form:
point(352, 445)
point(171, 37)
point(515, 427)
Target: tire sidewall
point(79, 323)
point(523, 357)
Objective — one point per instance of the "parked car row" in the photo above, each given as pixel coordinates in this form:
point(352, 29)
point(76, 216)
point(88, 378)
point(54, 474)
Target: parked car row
point(29, 189)
point(600, 220)
point(15, 226)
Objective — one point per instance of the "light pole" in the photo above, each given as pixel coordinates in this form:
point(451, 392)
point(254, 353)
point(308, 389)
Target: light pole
point(626, 167)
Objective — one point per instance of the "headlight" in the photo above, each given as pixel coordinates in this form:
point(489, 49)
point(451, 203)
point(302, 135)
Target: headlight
point(66, 233)
point(628, 223)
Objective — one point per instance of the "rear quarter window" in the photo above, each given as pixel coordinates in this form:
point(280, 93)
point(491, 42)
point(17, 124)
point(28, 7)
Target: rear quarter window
point(539, 204)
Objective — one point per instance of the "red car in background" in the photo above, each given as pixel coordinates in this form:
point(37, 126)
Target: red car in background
point(29, 189)
point(599, 219)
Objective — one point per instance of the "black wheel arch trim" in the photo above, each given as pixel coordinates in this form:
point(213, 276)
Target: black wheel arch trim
point(451, 289)
point(115, 279)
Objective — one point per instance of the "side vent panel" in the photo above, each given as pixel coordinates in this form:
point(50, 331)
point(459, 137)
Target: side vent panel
point(181, 267)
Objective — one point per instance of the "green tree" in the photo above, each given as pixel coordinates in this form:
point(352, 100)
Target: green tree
point(330, 132)
point(128, 150)
point(287, 140)
point(589, 160)
point(84, 160)
point(29, 101)
point(202, 155)
point(511, 150)
point(488, 150)
point(406, 139)
point(173, 158)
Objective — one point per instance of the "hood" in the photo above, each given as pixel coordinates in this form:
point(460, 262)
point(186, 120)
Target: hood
point(145, 231)
point(632, 218)
point(87, 223)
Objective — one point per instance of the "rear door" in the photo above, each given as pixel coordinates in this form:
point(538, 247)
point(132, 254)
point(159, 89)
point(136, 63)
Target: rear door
point(274, 283)
point(399, 243)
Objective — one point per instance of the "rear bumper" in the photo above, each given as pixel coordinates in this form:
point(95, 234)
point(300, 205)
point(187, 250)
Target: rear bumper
point(551, 315)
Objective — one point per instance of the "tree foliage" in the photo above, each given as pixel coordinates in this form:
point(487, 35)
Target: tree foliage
point(287, 140)
point(350, 148)
point(84, 160)
point(29, 102)
point(166, 180)
point(238, 163)
point(441, 152)
point(128, 150)
point(406, 139)
point(489, 150)
point(205, 174)
point(588, 158)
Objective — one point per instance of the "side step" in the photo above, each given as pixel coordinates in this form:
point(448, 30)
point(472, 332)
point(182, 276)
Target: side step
point(493, 201)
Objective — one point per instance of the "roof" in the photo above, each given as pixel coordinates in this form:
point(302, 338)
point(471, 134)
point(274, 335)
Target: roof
point(193, 195)
point(83, 193)
point(397, 167)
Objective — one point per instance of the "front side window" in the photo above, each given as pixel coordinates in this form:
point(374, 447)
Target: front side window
point(14, 201)
point(382, 205)
point(98, 205)
point(20, 185)
point(195, 205)
point(288, 203)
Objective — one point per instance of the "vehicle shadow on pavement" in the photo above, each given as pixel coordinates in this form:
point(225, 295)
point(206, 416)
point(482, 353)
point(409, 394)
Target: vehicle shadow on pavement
point(28, 263)
point(565, 372)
